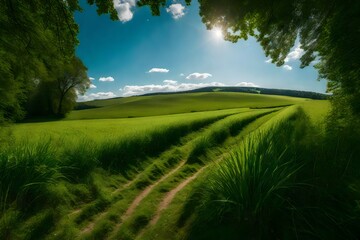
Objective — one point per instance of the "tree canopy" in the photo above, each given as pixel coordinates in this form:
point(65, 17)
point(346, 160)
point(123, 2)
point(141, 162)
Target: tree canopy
point(57, 94)
point(72, 79)
point(36, 36)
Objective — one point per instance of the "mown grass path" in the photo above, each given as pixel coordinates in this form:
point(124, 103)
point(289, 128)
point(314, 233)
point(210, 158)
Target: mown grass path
point(119, 207)
point(166, 225)
point(170, 196)
point(138, 203)
point(146, 192)
point(159, 199)
point(168, 199)
point(83, 218)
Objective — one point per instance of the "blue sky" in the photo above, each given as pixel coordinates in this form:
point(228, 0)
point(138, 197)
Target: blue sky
point(140, 54)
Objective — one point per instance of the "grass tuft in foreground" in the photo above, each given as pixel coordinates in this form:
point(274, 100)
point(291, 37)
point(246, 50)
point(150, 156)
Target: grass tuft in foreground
point(251, 186)
point(26, 171)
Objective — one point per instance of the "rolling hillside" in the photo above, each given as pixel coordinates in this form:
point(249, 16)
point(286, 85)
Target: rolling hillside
point(177, 103)
point(257, 90)
point(140, 177)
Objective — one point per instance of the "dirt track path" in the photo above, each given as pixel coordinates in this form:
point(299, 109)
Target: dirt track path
point(146, 192)
point(88, 228)
point(168, 199)
point(126, 185)
point(91, 225)
point(135, 203)
point(170, 196)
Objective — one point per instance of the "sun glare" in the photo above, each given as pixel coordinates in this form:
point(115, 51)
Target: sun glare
point(217, 32)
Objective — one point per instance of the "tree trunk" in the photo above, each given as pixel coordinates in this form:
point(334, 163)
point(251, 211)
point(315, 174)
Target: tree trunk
point(60, 104)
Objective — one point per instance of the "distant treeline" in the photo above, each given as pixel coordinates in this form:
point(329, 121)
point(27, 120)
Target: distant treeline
point(257, 90)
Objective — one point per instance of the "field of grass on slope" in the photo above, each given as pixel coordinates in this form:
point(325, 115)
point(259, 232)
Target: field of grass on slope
point(41, 172)
point(316, 110)
point(86, 176)
point(178, 103)
point(106, 129)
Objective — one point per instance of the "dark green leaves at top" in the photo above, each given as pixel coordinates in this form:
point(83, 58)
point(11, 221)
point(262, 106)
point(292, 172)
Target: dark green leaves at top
point(105, 7)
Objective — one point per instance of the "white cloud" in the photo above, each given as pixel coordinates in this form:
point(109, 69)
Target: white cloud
point(83, 98)
point(124, 9)
point(102, 95)
point(269, 60)
point(170, 82)
point(295, 54)
point(246, 84)
point(287, 67)
point(92, 86)
point(91, 78)
point(198, 76)
point(181, 74)
point(98, 95)
point(166, 87)
point(176, 10)
point(158, 70)
point(106, 79)
point(316, 61)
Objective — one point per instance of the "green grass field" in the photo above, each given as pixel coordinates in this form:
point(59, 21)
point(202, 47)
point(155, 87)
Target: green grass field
point(178, 103)
point(100, 129)
point(181, 166)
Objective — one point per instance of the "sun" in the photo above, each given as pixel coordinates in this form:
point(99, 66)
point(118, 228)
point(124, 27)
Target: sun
point(217, 33)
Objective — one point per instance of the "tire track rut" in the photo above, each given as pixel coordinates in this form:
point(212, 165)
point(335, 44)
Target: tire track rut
point(135, 203)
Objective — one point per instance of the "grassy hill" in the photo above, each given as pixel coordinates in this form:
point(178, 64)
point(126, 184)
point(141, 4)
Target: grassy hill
point(258, 90)
point(177, 103)
point(139, 173)
point(108, 129)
